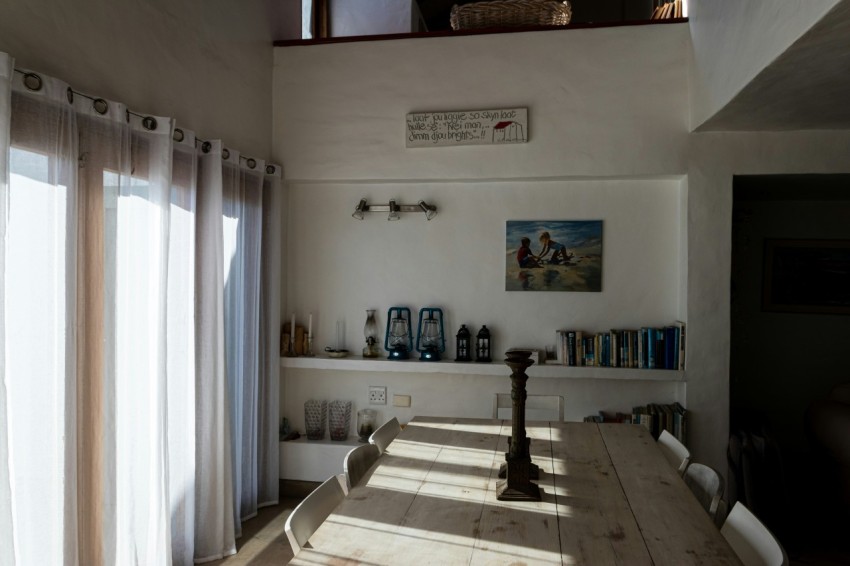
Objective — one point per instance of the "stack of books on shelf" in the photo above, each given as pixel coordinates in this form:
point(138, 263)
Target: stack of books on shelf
point(654, 416)
point(668, 10)
point(671, 417)
point(647, 348)
point(604, 417)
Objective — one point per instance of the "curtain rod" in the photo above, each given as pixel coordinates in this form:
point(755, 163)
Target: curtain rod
point(33, 82)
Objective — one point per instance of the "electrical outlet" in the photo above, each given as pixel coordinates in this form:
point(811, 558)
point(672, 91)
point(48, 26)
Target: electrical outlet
point(377, 395)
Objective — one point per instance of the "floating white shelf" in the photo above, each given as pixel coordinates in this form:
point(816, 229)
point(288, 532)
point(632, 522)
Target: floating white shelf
point(356, 363)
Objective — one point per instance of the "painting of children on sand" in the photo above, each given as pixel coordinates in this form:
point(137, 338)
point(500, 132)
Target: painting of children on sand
point(553, 255)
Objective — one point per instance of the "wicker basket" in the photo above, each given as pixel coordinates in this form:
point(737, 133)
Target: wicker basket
point(510, 13)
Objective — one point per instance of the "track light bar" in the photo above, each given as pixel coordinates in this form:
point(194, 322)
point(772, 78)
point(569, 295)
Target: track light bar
point(394, 209)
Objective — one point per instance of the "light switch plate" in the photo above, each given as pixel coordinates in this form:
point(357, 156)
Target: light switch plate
point(401, 400)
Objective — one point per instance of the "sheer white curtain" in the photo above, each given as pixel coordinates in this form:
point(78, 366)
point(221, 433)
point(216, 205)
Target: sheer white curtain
point(85, 328)
point(242, 229)
point(181, 346)
point(7, 552)
point(39, 318)
point(130, 272)
point(215, 527)
point(135, 181)
point(268, 386)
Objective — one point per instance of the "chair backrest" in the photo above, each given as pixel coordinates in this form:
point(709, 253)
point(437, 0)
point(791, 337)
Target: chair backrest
point(754, 544)
point(722, 512)
point(706, 485)
point(343, 481)
point(537, 407)
point(676, 453)
point(385, 434)
point(358, 461)
point(312, 512)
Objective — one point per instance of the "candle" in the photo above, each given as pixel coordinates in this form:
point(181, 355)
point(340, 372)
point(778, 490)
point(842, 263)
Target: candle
point(310, 326)
point(292, 328)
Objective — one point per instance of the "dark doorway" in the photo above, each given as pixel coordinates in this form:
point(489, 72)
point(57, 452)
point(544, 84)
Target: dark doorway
point(783, 363)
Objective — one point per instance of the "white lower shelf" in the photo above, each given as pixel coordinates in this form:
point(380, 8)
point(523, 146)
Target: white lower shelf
point(356, 363)
point(313, 460)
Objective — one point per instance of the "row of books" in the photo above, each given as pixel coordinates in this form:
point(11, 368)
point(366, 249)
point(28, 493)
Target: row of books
point(647, 348)
point(668, 11)
point(672, 417)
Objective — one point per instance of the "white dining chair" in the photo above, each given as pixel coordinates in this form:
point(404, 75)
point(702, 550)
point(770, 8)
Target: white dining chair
point(676, 453)
point(754, 544)
point(358, 461)
point(722, 512)
point(385, 434)
point(537, 407)
point(707, 486)
point(312, 512)
point(343, 481)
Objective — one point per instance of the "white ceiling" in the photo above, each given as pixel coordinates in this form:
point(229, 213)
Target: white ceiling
point(805, 88)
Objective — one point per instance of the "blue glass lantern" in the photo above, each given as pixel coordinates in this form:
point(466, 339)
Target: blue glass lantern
point(430, 342)
point(398, 341)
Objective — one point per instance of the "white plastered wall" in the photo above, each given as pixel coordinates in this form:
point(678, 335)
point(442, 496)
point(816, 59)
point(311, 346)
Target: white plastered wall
point(734, 40)
point(608, 120)
point(204, 62)
point(609, 102)
point(340, 266)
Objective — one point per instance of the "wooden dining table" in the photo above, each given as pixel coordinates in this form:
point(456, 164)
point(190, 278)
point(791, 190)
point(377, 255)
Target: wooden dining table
point(609, 496)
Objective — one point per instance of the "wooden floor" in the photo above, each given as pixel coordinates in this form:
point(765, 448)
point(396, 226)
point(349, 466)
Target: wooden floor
point(263, 541)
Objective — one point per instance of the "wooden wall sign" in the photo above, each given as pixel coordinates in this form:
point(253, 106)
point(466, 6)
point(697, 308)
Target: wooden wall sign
point(470, 127)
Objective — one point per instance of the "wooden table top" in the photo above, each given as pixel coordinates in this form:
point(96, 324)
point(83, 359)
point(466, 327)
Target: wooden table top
point(608, 497)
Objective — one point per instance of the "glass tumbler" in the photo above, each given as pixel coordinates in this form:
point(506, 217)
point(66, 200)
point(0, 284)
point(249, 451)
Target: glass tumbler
point(339, 419)
point(315, 418)
point(366, 423)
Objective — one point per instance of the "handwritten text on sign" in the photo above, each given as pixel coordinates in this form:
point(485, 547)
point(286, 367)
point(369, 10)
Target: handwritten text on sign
point(471, 127)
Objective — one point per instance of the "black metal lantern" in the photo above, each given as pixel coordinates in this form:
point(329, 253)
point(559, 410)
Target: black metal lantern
point(462, 345)
point(482, 346)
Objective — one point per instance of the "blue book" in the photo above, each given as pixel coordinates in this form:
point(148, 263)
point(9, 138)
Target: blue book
point(588, 351)
point(675, 348)
point(660, 347)
point(606, 350)
point(670, 349)
point(650, 343)
point(571, 348)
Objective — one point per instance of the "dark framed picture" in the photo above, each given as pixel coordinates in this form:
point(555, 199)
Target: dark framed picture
point(806, 276)
point(553, 255)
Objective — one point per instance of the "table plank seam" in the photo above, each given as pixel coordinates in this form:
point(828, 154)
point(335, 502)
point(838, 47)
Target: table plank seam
point(625, 495)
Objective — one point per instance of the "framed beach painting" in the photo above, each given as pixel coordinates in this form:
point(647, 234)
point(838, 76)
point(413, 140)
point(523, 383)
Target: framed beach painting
point(553, 255)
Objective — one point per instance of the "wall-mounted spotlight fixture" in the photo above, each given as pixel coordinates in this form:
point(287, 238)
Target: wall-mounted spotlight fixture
point(429, 210)
point(393, 215)
point(394, 209)
point(358, 211)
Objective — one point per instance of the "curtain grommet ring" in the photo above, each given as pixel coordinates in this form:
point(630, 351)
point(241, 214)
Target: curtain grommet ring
point(69, 93)
point(100, 106)
point(225, 154)
point(33, 82)
point(269, 169)
point(178, 135)
point(252, 163)
point(206, 147)
point(149, 123)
